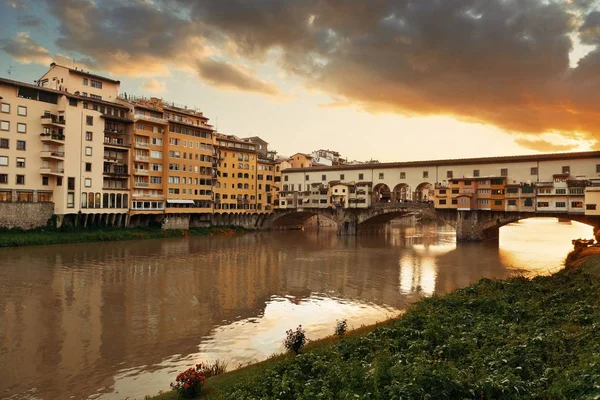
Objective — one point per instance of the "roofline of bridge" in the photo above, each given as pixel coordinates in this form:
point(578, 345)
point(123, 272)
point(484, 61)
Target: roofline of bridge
point(455, 161)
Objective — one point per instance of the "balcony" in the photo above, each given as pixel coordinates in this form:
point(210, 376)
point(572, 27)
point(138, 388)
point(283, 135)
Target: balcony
point(142, 144)
point(53, 155)
point(141, 158)
point(53, 120)
point(114, 131)
point(141, 184)
point(150, 118)
point(52, 171)
point(52, 138)
point(113, 142)
point(141, 171)
point(116, 173)
point(150, 196)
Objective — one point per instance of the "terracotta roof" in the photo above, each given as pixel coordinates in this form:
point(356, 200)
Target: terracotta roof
point(456, 161)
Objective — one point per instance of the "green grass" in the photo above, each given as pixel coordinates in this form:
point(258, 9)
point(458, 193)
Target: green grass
point(12, 238)
point(514, 338)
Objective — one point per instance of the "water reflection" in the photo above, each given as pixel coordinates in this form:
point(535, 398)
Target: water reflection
point(113, 320)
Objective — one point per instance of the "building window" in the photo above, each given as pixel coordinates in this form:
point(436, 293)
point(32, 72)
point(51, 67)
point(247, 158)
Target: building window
point(342, 177)
point(5, 108)
point(44, 181)
point(381, 175)
point(425, 174)
point(442, 201)
point(20, 162)
point(323, 177)
point(4, 125)
point(96, 84)
point(88, 167)
point(20, 179)
point(454, 201)
point(561, 204)
point(3, 178)
point(21, 128)
point(89, 135)
point(88, 182)
point(85, 81)
point(22, 111)
point(475, 172)
point(512, 202)
point(306, 177)
point(534, 170)
point(576, 204)
point(504, 172)
point(70, 200)
point(3, 161)
point(497, 202)
point(73, 102)
point(21, 145)
point(71, 184)
point(566, 169)
point(587, 206)
point(561, 191)
point(449, 174)
point(3, 143)
point(285, 178)
point(89, 120)
point(88, 151)
point(541, 204)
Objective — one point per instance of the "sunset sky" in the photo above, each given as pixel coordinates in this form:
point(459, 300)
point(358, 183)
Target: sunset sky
point(391, 80)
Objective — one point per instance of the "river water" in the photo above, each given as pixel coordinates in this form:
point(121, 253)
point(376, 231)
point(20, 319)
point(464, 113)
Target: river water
point(118, 320)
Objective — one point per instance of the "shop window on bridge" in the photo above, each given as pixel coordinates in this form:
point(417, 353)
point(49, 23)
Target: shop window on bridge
point(442, 191)
point(323, 177)
point(561, 191)
point(402, 175)
point(497, 202)
point(468, 183)
point(566, 169)
point(475, 172)
point(361, 176)
point(512, 190)
point(442, 201)
point(577, 204)
point(425, 174)
point(504, 171)
point(542, 204)
point(84, 199)
point(528, 202)
point(497, 181)
point(512, 202)
point(455, 191)
point(527, 189)
point(590, 206)
point(449, 174)
point(454, 201)
point(497, 191)
point(561, 204)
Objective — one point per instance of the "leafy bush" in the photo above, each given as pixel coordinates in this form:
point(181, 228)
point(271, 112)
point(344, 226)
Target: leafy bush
point(295, 340)
point(341, 327)
point(189, 383)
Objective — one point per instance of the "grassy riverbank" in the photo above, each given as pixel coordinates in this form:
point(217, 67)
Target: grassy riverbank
point(13, 238)
point(515, 338)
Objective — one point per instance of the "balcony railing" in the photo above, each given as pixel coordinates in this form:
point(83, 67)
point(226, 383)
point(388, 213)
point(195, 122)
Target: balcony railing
point(150, 118)
point(52, 136)
point(141, 184)
point(152, 196)
point(141, 158)
point(52, 154)
point(141, 171)
point(142, 144)
point(52, 170)
point(115, 142)
point(48, 119)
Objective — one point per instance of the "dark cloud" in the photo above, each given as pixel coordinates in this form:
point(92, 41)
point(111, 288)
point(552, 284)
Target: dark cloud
point(30, 21)
point(499, 62)
point(25, 50)
point(229, 76)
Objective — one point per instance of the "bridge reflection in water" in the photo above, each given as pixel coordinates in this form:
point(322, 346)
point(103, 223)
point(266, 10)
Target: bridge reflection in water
point(116, 320)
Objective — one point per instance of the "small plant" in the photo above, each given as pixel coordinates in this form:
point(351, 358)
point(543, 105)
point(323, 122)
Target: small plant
point(341, 327)
point(216, 368)
point(295, 340)
point(189, 383)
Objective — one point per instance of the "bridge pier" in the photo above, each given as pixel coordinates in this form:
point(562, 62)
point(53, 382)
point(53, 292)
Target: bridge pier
point(477, 226)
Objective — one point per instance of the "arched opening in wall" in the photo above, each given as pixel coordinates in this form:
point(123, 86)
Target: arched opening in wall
point(382, 193)
point(424, 192)
point(401, 193)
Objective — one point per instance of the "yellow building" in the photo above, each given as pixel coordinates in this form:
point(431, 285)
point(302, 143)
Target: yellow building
point(236, 187)
point(301, 160)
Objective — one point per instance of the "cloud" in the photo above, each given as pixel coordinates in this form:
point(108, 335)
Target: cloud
point(155, 86)
point(228, 76)
point(497, 62)
point(544, 145)
point(15, 4)
point(25, 50)
point(30, 21)
point(139, 38)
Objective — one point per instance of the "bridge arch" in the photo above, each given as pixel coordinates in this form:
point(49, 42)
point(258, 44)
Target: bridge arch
point(501, 221)
point(424, 192)
point(401, 193)
point(298, 218)
point(381, 193)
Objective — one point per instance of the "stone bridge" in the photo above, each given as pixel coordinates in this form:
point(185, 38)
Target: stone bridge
point(471, 226)
point(350, 221)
